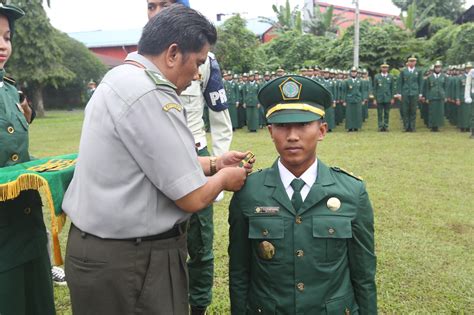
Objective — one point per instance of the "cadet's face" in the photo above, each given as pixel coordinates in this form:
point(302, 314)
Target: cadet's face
point(5, 43)
point(155, 6)
point(412, 63)
point(187, 67)
point(296, 143)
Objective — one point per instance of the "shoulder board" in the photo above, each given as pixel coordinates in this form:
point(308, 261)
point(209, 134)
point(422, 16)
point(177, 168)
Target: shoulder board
point(158, 79)
point(341, 170)
point(9, 80)
point(255, 172)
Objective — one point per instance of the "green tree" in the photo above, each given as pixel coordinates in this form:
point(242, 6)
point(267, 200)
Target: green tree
point(450, 9)
point(236, 48)
point(287, 18)
point(415, 18)
point(462, 46)
point(292, 49)
point(322, 23)
point(37, 59)
point(81, 61)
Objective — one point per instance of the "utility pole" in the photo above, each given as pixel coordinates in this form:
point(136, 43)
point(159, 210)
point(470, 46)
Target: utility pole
point(356, 34)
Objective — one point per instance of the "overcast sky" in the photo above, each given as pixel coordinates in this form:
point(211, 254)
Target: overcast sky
point(86, 15)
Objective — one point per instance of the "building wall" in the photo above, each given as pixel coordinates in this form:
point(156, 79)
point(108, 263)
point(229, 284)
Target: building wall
point(347, 15)
point(114, 52)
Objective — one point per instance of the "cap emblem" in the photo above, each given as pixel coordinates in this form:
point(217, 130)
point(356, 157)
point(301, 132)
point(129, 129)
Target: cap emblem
point(290, 89)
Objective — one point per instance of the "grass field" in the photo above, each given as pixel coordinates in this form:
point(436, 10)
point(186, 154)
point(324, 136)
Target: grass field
point(422, 190)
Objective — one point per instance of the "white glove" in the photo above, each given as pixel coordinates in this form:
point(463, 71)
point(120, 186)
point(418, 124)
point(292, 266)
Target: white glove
point(468, 100)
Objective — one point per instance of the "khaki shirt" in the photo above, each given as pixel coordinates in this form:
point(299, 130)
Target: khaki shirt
point(221, 126)
point(136, 157)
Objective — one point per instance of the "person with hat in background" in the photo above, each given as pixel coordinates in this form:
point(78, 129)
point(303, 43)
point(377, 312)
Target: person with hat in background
point(301, 238)
point(410, 87)
point(384, 91)
point(231, 86)
point(464, 110)
point(469, 94)
point(251, 102)
point(352, 91)
point(330, 85)
point(25, 267)
point(436, 85)
point(241, 111)
point(280, 72)
point(261, 110)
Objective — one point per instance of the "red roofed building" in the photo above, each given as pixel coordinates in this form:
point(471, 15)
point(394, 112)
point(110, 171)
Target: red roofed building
point(347, 14)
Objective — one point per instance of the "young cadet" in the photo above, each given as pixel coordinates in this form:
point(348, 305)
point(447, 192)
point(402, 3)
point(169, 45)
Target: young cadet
point(435, 96)
point(352, 88)
point(25, 267)
point(410, 92)
point(301, 233)
point(384, 88)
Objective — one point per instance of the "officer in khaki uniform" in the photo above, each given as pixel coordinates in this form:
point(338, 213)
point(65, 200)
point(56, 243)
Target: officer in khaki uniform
point(25, 268)
point(301, 233)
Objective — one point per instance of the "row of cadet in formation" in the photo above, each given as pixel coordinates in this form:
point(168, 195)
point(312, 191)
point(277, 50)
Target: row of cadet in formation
point(436, 92)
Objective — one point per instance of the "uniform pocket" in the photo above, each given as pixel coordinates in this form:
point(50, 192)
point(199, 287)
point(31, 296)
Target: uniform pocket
point(266, 234)
point(330, 234)
point(342, 305)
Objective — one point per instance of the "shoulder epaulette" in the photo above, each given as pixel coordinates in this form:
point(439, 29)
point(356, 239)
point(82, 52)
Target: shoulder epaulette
point(255, 172)
point(9, 80)
point(158, 79)
point(341, 170)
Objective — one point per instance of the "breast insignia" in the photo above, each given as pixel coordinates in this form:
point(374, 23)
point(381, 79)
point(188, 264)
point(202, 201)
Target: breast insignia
point(341, 170)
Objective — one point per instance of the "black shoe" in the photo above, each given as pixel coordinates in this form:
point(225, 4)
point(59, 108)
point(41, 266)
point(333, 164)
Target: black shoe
point(356, 129)
point(195, 310)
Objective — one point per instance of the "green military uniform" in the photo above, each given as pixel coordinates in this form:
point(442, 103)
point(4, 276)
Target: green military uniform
point(233, 98)
point(436, 85)
point(330, 85)
point(366, 92)
point(410, 86)
point(353, 98)
point(313, 258)
point(241, 114)
point(384, 88)
point(25, 268)
point(464, 111)
point(250, 100)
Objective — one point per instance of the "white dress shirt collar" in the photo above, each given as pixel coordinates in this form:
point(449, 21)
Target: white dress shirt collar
point(309, 177)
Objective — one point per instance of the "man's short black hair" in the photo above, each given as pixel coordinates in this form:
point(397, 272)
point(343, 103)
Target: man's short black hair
point(180, 25)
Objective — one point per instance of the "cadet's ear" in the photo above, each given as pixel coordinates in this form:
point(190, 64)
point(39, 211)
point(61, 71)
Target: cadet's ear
point(270, 130)
point(172, 55)
point(323, 129)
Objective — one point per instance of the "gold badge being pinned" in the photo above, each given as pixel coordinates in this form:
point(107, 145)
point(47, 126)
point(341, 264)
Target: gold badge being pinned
point(266, 250)
point(334, 204)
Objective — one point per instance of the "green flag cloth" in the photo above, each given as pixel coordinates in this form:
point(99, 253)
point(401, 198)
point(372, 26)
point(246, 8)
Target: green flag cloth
point(51, 177)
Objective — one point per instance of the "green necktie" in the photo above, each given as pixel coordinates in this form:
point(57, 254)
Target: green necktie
point(297, 201)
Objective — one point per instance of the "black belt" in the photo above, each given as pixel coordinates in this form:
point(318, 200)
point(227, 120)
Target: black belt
point(175, 231)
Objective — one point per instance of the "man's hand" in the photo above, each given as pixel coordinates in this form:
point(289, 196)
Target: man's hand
point(468, 100)
point(392, 101)
point(233, 177)
point(26, 109)
point(374, 102)
point(233, 159)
